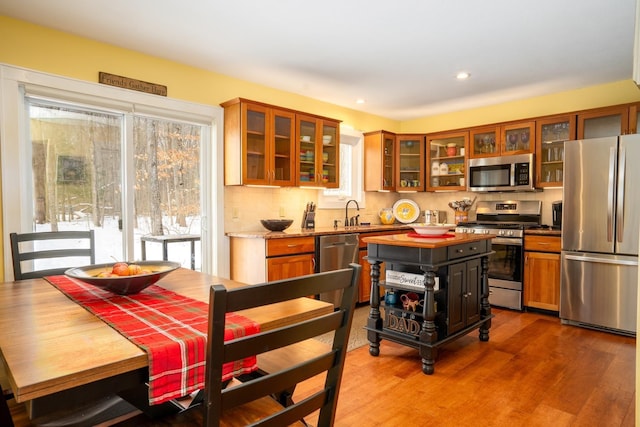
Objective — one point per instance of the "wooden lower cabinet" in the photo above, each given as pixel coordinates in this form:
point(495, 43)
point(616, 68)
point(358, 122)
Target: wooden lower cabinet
point(286, 267)
point(258, 260)
point(542, 272)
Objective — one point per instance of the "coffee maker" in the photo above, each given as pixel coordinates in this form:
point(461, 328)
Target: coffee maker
point(556, 214)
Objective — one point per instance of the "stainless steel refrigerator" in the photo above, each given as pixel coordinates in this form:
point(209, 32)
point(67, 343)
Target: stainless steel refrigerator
point(599, 265)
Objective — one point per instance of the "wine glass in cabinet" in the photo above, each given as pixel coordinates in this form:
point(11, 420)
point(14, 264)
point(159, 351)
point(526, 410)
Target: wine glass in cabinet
point(446, 163)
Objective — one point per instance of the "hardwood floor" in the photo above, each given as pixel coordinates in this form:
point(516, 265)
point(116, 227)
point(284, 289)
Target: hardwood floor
point(532, 372)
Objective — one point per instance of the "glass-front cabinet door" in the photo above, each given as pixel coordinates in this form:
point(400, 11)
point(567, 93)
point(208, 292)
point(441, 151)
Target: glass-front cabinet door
point(610, 121)
point(484, 141)
point(411, 162)
point(446, 161)
point(254, 168)
point(517, 138)
point(268, 139)
point(319, 152)
point(551, 133)
point(282, 161)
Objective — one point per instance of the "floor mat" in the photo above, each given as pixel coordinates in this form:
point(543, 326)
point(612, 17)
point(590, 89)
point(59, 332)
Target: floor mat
point(358, 335)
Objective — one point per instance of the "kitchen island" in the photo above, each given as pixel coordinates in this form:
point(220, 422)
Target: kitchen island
point(436, 291)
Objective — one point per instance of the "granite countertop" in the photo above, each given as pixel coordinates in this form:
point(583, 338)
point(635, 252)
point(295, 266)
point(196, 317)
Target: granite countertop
point(320, 231)
point(544, 232)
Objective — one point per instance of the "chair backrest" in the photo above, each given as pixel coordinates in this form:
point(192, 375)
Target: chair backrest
point(330, 364)
point(58, 245)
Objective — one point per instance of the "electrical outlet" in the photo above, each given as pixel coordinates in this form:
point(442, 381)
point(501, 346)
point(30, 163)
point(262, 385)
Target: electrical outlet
point(281, 212)
point(234, 213)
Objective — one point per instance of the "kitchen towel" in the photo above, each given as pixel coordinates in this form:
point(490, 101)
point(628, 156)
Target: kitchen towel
point(171, 328)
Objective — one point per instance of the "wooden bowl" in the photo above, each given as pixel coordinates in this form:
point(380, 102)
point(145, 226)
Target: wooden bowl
point(276, 224)
point(123, 285)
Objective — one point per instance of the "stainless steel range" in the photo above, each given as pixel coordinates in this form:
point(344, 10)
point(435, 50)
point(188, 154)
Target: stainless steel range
point(507, 219)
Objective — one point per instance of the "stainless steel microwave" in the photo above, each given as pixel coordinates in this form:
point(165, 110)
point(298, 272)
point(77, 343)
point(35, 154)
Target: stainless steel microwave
point(506, 173)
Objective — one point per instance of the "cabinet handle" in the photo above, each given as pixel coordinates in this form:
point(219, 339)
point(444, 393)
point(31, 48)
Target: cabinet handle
point(474, 248)
point(460, 251)
point(544, 243)
point(292, 246)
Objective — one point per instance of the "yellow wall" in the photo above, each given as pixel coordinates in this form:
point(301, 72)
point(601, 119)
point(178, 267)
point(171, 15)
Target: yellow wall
point(43, 49)
point(613, 93)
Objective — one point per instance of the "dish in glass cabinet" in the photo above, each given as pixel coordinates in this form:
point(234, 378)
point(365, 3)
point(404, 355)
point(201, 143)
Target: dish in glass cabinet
point(406, 211)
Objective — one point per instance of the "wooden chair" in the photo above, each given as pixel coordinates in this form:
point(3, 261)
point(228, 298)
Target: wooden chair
point(67, 244)
point(251, 402)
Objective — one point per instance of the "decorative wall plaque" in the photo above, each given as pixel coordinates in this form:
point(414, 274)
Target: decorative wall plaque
point(133, 84)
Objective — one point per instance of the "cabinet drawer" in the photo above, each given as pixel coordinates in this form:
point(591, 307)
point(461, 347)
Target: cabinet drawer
point(542, 243)
point(467, 249)
point(287, 246)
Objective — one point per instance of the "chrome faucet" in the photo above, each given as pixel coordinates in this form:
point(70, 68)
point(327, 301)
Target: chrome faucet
point(346, 212)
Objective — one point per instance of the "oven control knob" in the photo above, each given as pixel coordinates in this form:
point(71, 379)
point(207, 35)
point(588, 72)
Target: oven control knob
point(500, 232)
point(510, 233)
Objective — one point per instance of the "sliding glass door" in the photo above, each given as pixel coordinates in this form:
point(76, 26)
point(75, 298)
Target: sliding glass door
point(123, 175)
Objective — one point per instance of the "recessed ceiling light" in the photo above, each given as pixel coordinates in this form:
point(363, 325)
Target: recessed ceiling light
point(463, 75)
point(360, 101)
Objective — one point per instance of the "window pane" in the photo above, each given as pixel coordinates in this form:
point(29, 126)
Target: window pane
point(77, 180)
point(167, 185)
point(76, 174)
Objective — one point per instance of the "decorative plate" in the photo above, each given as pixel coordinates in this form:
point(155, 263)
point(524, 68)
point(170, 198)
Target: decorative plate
point(406, 211)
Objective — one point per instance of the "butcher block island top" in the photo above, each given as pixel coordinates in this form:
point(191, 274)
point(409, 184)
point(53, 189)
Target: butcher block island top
point(430, 242)
point(436, 290)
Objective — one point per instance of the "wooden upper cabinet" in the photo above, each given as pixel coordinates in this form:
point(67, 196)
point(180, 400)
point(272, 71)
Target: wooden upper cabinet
point(410, 163)
point(446, 162)
point(259, 144)
point(518, 138)
point(601, 122)
point(319, 151)
point(634, 118)
point(379, 161)
point(502, 139)
point(269, 145)
point(484, 141)
point(551, 133)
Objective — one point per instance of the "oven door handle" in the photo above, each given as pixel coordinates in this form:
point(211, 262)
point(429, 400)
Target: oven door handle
point(506, 241)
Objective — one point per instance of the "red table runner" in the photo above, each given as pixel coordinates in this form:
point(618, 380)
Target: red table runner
point(171, 328)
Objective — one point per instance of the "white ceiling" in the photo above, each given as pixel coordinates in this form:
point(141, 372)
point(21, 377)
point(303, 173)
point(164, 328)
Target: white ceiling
point(400, 56)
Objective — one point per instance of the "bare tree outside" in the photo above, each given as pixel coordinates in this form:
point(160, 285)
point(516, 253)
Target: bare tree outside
point(77, 173)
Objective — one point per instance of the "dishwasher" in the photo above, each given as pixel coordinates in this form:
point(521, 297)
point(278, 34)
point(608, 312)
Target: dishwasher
point(334, 252)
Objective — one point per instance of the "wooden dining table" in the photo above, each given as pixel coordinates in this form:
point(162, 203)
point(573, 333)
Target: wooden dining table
point(56, 353)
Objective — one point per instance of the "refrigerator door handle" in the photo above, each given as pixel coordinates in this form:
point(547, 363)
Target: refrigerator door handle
point(612, 169)
point(582, 258)
point(620, 200)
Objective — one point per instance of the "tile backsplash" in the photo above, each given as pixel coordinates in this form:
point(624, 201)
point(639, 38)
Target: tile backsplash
point(244, 207)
